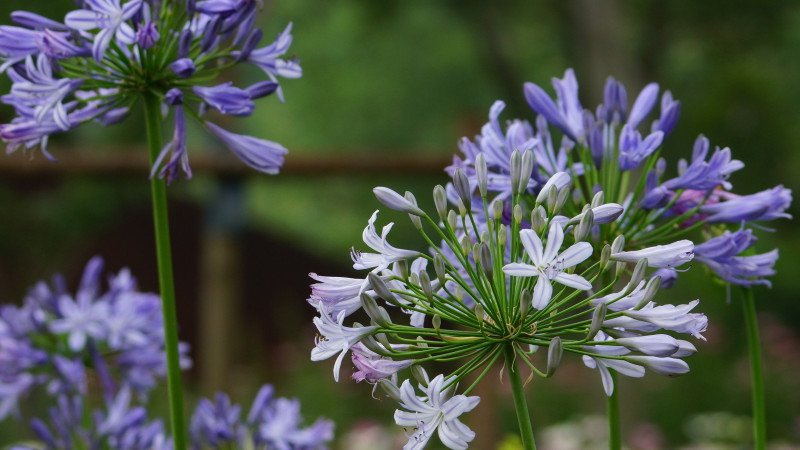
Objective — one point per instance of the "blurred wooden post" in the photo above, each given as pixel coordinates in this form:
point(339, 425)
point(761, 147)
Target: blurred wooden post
point(220, 287)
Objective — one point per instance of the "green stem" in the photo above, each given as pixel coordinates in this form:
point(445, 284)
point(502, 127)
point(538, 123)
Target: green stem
point(612, 409)
point(754, 346)
point(158, 188)
point(520, 404)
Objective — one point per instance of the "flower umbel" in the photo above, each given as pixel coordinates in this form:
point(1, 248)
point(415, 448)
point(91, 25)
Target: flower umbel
point(109, 53)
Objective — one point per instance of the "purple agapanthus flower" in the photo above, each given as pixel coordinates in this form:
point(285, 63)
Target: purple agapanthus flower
point(94, 328)
point(271, 423)
point(123, 45)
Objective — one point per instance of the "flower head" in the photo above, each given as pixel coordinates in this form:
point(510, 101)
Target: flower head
point(96, 65)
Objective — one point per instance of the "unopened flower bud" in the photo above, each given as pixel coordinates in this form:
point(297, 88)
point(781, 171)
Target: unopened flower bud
point(538, 219)
point(502, 236)
point(670, 367)
point(637, 275)
point(497, 209)
point(375, 312)
point(436, 322)
point(584, 227)
point(525, 301)
point(482, 174)
point(527, 169)
point(598, 199)
point(396, 201)
point(554, 353)
point(561, 200)
point(605, 256)
point(373, 345)
point(420, 375)
point(461, 184)
point(653, 284)
point(558, 181)
point(485, 257)
point(391, 389)
point(438, 267)
point(380, 288)
point(485, 237)
point(425, 284)
point(685, 348)
point(401, 268)
point(660, 345)
point(515, 165)
point(517, 214)
point(551, 199)
point(670, 255)
point(440, 201)
point(598, 316)
point(618, 244)
point(465, 245)
point(480, 314)
point(452, 219)
point(383, 339)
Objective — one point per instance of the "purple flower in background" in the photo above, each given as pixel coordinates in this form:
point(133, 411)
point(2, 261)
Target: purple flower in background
point(723, 255)
point(271, 423)
point(567, 113)
point(119, 47)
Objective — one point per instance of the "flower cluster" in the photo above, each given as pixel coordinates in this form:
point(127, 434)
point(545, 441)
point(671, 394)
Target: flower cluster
point(502, 285)
point(109, 54)
point(601, 151)
point(61, 342)
point(270, 423)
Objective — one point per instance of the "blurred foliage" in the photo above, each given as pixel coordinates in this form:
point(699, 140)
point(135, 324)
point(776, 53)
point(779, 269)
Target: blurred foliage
point(408, 79)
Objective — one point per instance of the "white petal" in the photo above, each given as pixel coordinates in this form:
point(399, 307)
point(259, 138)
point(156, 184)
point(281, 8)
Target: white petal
point(533, 245)
point(554, 240)
point(575, 255)
point(572, 280)
point(542, 293)
point(520, 270)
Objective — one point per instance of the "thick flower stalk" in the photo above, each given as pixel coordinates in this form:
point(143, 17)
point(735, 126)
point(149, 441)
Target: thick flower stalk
point(496, 285)
point(110, 54)
point(57, 341)
point(615, 151)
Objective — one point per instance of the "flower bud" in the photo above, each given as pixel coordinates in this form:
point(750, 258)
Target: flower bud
point(527, 169)
point(583, 229)
point(525, 301)
point(598, 316)
point(440, 201)
point(461, 184)
point(396, 201)
point(517, 214)
point(558, 181)
point(554, 353)
point(561, 200)
point(670, 367)
point(462, 209)
point(425, 284)
point(650, 291)
point(372, 344)
point(516, 171)
point(618, 244)
point(465, 245)
point(598, 199)
point(383, 339)
point(551, 199)
point(436, 322)
point(375, 312)
point(538, 219)
point(660, 345)
point(452, 219)
point(636, 276)
point(401, 268)
point(420, 375)
point(391, 389)
point(497, 209)
point(605, 254)
point(685, 348)
point(380, 288)
point(438, 267)
point(485, 257)
point(502, 236)
point(482, 173)
point(480, 314)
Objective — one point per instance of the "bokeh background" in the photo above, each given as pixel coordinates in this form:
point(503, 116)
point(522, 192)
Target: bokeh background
point(388, 89)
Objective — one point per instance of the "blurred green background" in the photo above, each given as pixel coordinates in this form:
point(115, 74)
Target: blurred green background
point(388, 89)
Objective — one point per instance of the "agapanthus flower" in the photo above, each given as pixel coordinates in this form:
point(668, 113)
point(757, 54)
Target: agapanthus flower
point(55, 337)
point(496, 286)
point(600, 149)
point(271, 423)
point(98, 63)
